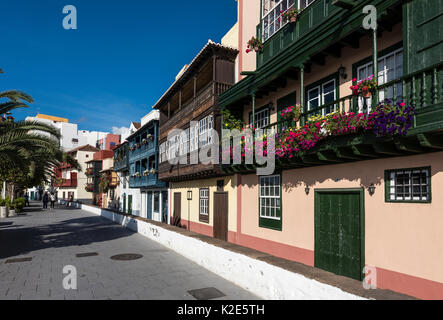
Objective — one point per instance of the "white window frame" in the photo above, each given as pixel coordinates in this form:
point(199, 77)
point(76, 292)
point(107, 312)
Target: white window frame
point(261, 117)
point(321, 95)
point(265, 194)
point(276, 9)
point(383, 74)
point(393, 197)
point(204, 201)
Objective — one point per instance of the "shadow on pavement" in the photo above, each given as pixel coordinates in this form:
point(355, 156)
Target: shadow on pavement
point(23, 239)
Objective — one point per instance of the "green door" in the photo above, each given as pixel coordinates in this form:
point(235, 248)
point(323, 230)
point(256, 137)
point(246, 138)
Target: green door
point(130, 204)
point(339, 232)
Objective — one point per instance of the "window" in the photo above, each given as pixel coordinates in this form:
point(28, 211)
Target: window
point(304, 3)
point(174, 147)
point(261, 118)
point(203, 134)
point(163, 153)
point(271, 16)
point(156, 202)
point(408, 185)
point(270, 202)
point(321, 94)
point(204, 205)
point(390, 67)
point(184, 142)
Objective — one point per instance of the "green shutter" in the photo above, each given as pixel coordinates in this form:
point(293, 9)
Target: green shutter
point(423, 34)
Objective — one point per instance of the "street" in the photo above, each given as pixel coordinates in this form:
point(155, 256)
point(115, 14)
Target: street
point(35, 248)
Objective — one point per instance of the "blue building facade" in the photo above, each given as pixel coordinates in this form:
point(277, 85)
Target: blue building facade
point(143, 160)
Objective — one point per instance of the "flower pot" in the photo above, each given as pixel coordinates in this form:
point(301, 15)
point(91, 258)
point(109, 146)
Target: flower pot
point(3, 212)
point(293, 19)
point(12, 213)
point(366, 94)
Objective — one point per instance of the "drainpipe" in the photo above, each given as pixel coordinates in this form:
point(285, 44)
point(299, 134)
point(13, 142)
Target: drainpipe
point(302, 86)
point(375, 63)
point(253, 108)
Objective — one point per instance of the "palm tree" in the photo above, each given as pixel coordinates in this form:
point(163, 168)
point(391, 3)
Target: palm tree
point(29, 150)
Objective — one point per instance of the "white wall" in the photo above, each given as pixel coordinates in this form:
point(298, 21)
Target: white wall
point(265, 280)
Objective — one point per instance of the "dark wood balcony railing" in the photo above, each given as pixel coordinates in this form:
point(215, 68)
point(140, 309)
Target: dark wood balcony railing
point(66, 183)
point(421, 89)
point(213, 89)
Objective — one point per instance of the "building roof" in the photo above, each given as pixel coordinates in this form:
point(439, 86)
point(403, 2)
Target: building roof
point(87, 148)
point(195, 63)
point(52, 118)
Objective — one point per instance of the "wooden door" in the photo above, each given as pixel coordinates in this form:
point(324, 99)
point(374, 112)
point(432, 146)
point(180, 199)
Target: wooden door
point(177, 205)
point(221, 215)
point(338, 232)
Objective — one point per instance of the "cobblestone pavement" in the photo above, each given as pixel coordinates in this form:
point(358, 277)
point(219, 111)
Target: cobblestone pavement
point(54, 238)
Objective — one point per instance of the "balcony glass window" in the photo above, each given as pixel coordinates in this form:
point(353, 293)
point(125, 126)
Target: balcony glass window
point(322, 94)
point(203, 134)
point(390, 67)
point(304, 3)
point(271, 16)
point(261, 118)
point(184, 142)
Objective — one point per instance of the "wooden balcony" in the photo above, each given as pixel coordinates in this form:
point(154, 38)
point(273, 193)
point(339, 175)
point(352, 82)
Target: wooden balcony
point(67, 183)
point(150, 181)
point(422, 89)
point(206, 98)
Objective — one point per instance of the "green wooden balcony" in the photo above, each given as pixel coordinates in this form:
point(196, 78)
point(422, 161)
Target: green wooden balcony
point(422, 89)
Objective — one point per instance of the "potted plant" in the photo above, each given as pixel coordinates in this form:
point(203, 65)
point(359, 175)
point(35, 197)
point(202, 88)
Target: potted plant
point(150, 136)
point(137, 174)
point(3, 209)
point(290, 15)
point(131, 148)
point(144, 141)
point(153, 171)
point(19, 204)
point(146, 172)
point(254, 44)
point(364, 87)
point(291, 113)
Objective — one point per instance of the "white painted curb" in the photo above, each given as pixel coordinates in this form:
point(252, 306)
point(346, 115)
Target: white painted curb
point(260, 278)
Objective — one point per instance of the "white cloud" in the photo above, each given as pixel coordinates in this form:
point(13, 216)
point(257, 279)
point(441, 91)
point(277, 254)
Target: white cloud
point(122, 131)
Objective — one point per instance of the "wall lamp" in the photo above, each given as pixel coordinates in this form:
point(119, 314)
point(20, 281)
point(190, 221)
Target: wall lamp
point(342, 72)
point(371, 189)
point(307, 189)
point(190, 195)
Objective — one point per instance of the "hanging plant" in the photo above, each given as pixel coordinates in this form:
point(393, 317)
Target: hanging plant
point(290, 15)
point(291, 113)
point(364, 87)
point(254, 44)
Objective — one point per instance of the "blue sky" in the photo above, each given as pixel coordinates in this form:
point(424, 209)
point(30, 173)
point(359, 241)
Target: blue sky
point(115, 66)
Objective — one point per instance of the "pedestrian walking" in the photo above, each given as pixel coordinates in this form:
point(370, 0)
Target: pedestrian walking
point(26, 196)
point(45, 200)
point(70, 200)
point(52, 198)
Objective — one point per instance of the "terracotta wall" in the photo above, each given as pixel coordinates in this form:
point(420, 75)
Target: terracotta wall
point(400, 237)
point(248, 19)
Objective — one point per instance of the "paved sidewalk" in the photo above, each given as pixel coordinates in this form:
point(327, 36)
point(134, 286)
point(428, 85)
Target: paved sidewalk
point(53, 239)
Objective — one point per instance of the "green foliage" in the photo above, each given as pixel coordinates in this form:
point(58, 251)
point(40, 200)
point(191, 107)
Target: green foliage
point(18, 204)
point(230, 122)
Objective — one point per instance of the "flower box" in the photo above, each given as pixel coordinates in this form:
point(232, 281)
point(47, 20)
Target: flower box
point(290, 15)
